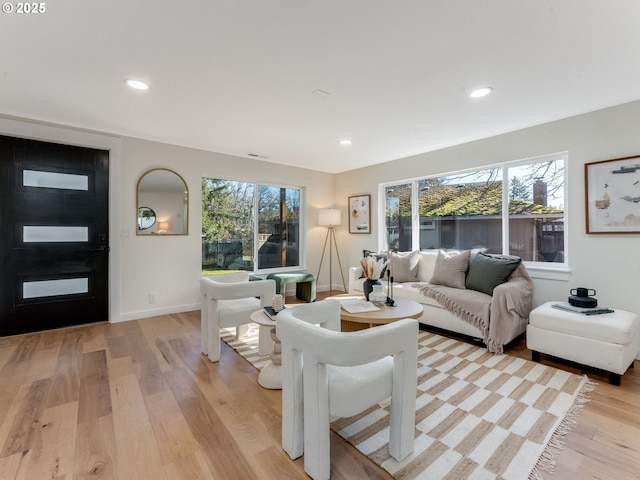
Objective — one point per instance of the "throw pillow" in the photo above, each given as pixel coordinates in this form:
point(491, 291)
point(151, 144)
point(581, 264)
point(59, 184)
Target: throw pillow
point(427, 264)
point(379, 256)
point(487, 272)
point(451, 269)
point(404, 266)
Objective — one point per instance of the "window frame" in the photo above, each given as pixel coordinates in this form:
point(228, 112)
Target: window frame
point(302, 257)
point(554, 270)
point(301, 229)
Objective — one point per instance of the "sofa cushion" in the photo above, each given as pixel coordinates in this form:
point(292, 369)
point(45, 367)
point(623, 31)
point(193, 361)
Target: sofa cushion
point(404, 266)
point(451, 269)
point(408, 291)
point(426, 264)
point(487, 272)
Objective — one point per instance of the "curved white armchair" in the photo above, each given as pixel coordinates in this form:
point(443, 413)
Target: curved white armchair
point(228, 301)
point(327, 373)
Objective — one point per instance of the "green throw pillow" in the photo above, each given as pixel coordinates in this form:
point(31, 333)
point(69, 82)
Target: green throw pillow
point(487, 272)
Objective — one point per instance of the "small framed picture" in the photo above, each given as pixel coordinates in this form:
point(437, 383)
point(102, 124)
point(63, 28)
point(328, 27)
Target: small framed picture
point(612, 195)
point(360, 214)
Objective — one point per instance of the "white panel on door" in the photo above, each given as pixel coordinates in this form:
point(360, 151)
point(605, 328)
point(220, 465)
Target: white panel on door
point(66, 181)
point(33, 234)
point(51, 288)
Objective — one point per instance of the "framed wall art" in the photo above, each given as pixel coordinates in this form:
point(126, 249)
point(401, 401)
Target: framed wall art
point(612, 195)
point(360, 214)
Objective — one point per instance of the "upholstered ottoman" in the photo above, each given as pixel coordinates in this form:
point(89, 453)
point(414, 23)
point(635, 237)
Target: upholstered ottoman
point(609, 341)
point(305, 284)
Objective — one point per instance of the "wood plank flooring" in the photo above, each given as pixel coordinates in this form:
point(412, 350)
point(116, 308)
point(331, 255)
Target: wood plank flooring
point(136, 400)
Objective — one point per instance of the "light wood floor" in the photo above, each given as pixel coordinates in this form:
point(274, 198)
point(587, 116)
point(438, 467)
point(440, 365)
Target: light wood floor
point(136, 400)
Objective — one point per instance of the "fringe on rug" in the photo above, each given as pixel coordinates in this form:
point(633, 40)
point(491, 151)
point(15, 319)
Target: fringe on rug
point(549, 457)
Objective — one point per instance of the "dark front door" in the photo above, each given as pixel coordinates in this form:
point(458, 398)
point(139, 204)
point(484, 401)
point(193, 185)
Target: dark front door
point(54, 243)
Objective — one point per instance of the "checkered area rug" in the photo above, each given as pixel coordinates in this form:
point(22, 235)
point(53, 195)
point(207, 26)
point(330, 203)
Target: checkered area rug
point(478, 415)
point(246, 346)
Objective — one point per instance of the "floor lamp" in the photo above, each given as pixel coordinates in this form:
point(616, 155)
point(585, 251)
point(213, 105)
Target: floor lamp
point(330, 217)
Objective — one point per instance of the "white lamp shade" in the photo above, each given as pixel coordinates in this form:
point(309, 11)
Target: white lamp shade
point(329, 216)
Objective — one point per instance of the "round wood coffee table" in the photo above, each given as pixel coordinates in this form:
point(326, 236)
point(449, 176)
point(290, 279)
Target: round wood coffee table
point(358, 321)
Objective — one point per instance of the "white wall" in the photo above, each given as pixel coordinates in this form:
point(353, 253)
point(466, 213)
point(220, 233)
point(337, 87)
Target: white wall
point(610, 264)
point(170, 265)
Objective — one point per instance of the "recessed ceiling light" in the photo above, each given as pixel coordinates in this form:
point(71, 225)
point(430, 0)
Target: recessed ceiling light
point(137, 84)
point(480, 92)
point(345, 142)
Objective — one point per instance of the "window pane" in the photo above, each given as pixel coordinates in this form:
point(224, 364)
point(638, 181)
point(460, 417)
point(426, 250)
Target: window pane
point(227, 225)
point(278, 227)
point(462, 211)
point(398, 217)
point(536, 211)
point(515, 209)
point(34, 234)
point(53, 288)
point(67, 181)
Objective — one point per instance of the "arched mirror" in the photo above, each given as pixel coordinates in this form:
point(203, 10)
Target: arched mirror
point(162, 203)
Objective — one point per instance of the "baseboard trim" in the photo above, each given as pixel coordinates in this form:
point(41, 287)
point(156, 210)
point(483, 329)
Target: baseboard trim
point(125, 317)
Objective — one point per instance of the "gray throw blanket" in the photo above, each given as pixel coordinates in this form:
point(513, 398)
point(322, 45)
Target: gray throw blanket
point(492, 315)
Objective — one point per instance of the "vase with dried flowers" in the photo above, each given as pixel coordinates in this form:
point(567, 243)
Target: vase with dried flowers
point(373, 269)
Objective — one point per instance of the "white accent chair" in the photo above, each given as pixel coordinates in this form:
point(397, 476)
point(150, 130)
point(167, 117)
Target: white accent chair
point(228, 301)
point(328, 374)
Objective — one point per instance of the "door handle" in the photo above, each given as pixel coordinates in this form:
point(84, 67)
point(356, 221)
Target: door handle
point(101, 248)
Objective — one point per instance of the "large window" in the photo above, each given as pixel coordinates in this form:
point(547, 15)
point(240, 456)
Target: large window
point(247, 226)
point(516, 209)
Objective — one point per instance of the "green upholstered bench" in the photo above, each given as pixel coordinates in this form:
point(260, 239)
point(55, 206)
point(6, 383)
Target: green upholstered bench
point(305, 284)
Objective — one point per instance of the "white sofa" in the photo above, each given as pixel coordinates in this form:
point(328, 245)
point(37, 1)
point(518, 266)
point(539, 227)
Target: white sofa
point(517, 287)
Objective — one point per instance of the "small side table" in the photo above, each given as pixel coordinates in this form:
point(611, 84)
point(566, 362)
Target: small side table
point(271, 374)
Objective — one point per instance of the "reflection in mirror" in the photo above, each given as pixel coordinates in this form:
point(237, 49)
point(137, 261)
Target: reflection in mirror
point(162, 203)
point(146, 218)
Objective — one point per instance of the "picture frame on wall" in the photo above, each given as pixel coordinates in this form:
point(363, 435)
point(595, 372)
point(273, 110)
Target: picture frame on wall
point(360, 214)
point(612, 196)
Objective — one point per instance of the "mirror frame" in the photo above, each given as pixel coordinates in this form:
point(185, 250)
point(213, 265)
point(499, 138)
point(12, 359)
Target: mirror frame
point(143, 233)
point(155, 219)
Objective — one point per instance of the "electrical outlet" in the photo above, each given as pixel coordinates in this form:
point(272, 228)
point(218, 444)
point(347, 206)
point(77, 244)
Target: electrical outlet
point(153, 297)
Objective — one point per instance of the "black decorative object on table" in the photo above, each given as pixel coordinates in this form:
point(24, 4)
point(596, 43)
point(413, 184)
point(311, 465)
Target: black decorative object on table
point(367, 286)
point(390, 301)
point(580, 297)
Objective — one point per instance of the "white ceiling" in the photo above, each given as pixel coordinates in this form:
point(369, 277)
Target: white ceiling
point(237, 76)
